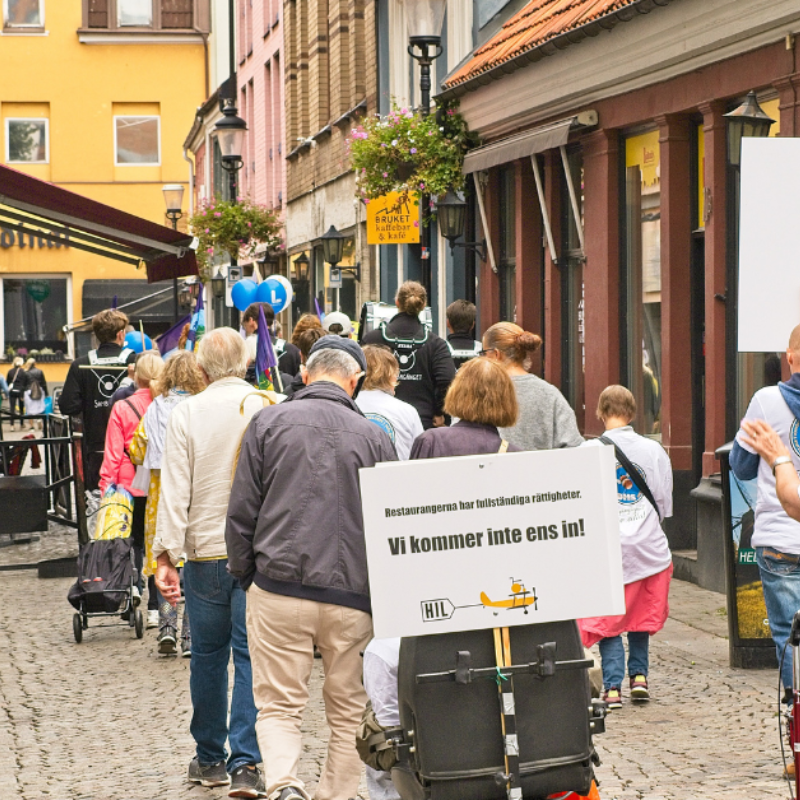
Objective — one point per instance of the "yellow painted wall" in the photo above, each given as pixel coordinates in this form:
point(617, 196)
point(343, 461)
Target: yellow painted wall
point(78, 86)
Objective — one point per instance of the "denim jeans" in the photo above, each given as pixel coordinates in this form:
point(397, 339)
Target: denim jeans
point(780, 579)
point(216, 606)
point(612, 655)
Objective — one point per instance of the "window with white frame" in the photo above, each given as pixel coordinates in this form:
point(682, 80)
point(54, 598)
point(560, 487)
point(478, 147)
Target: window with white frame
point(132, 13)
point(23, 14)
point(137, 140)
point(34, 313)
point(27, 141)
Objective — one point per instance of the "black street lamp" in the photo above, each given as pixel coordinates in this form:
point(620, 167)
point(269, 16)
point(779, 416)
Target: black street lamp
point(451, 211)
point(748, 120)
point(218, 285)
point(333, 250)
point(425, 18)
point(302, 264)
point(230, 132)
point(173, 198)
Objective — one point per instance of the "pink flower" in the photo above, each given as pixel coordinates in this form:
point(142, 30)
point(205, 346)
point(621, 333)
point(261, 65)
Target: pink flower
point(413, 150)
point(416, 223)
point(208, 230)
point(385, 174)
point(217, 213)
point(249, 224)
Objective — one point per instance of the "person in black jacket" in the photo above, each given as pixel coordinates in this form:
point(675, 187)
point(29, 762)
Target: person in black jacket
point(91, 382)
point(18, 383)
point(461, 339)
point(37, 375)
point(426, 366)
point(295, 541)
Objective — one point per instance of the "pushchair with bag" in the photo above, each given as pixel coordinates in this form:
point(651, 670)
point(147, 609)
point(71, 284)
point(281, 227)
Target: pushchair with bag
point(107, 575)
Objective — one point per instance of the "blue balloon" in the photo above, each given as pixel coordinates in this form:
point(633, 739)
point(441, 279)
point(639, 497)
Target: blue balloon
point(133, 341)
point(244, 293)
point(273, 292)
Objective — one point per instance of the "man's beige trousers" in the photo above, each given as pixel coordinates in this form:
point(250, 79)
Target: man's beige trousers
point(281, 632)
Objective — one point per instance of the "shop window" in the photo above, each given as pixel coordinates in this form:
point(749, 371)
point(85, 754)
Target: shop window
point(136, 140)
point(27, 141)
point(572, 292)
point(23, 14)
point(508, 245)
point(643, 273)
point(134, 12)
point(34, 313)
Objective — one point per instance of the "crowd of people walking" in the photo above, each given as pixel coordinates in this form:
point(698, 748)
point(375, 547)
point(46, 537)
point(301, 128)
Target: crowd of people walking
point(247, 507)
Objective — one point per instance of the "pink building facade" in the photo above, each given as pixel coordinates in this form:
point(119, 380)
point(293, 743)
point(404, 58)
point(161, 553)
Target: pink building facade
point(260, 86)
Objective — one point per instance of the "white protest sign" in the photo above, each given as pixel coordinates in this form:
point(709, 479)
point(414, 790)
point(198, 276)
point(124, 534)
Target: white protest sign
point(769, 243)
point(492, 541)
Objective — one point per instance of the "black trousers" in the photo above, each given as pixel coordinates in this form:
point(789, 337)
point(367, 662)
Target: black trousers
point(16, 402)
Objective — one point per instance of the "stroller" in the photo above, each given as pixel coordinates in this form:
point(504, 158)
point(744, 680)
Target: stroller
point(107, 575)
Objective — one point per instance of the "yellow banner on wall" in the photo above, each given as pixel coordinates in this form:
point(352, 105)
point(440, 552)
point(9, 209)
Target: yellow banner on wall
point(644, 151)
point(393, 219)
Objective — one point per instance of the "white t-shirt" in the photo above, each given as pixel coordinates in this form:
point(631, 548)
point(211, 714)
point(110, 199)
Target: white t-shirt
point(251, 343)
point(773, 526)
point(645, 550)
point(400, 420)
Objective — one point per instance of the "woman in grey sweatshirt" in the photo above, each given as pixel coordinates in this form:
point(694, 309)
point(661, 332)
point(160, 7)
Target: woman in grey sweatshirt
point(546, 420)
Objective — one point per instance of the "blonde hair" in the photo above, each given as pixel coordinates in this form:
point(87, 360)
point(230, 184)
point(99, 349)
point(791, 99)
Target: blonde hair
point(17, 362)
point(31, 362)
point(149, 367)
point(180, 372)
point(515, 344)
point(382, 367)
point(482, 392)
point(411, 298)
point(616, 401)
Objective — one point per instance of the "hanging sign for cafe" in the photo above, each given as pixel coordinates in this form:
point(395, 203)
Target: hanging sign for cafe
point(479, 542)
point(393, 219)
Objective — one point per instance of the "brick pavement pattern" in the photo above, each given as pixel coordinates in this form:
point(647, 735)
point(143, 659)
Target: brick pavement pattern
point(110, 719)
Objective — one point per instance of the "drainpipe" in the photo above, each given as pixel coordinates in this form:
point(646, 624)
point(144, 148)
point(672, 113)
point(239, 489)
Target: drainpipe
point(191, 181)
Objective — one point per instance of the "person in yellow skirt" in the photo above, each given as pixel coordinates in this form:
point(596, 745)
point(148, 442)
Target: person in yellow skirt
point(181, 379)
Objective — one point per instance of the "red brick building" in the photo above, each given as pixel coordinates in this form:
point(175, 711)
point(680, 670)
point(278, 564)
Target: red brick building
point(625, 261)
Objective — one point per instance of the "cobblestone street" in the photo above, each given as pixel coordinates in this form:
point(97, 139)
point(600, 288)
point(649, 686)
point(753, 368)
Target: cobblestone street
point(109, 718)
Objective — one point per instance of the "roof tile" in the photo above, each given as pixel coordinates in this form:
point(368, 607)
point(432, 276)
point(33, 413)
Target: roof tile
point(534, 25)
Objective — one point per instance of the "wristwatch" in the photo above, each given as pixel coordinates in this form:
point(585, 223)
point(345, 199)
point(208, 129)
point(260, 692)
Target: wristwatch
point(780, 460)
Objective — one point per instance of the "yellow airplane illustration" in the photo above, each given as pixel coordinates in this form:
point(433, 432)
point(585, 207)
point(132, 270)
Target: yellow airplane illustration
point(520, 597)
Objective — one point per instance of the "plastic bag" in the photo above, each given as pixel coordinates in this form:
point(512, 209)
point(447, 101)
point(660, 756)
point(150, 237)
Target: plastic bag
point(115, 515)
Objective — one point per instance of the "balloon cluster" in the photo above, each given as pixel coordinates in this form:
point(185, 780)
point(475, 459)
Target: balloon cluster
point(275, 290)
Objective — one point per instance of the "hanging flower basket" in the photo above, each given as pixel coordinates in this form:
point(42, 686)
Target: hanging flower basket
point(237, 229)
point(405, 151)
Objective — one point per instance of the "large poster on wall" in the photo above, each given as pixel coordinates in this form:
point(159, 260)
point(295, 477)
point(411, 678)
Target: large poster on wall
point(492, 541)
point(769, 244)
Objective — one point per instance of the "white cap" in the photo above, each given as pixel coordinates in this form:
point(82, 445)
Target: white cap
point(337, 318)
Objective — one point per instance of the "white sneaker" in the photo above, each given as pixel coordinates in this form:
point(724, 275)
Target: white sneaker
point(152, 618)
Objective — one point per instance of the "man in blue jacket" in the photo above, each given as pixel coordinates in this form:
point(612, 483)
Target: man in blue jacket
point(776, 537)
point(295, 540)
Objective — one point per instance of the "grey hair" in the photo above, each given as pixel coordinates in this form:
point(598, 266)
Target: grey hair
point(222, 354)
point(335, 363)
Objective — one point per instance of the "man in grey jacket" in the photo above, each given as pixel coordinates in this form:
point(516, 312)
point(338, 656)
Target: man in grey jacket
point(295, 540)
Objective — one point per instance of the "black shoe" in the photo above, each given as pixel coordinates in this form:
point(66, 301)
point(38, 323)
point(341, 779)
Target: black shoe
point(247, 782)
point(291, 793)
point(167, 642)
point(208, 774)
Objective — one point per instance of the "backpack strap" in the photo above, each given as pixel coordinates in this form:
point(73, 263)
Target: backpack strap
point(135, 410)
point(633, 473)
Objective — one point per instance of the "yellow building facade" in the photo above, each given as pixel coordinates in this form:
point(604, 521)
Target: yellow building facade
point(95, 96)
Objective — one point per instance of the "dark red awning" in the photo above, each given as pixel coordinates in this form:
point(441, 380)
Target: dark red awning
point(30, 205)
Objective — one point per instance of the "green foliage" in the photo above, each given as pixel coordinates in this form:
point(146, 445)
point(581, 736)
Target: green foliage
point(431, 149)
point(235, 228)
